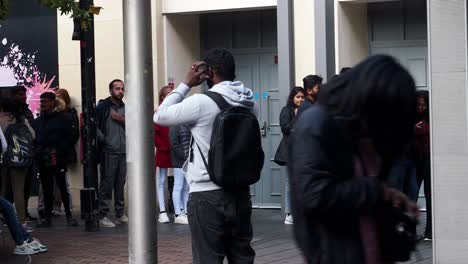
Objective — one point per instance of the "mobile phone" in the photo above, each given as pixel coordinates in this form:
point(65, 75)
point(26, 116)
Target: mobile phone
point(205, 69)
point(202, 67)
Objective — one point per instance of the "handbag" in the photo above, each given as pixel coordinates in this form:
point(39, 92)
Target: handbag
point(281, 154)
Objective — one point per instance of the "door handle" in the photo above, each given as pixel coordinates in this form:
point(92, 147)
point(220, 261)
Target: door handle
point(263, 130)
point(268, 111)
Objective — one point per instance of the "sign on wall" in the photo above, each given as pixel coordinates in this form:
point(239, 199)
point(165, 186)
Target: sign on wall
point(28, 49)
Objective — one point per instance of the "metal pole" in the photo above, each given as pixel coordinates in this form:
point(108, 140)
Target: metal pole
point(88, 97)
point(142, 244)
point(286, 72)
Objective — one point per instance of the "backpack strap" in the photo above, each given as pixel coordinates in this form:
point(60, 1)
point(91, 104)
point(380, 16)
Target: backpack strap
point(219, 100)
point(201, 153)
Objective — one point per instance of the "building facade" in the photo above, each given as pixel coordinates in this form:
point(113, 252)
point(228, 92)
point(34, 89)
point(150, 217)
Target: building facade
point(429, 37)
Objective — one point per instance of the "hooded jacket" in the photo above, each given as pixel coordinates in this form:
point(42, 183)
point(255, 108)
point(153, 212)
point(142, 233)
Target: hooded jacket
point(199, 112)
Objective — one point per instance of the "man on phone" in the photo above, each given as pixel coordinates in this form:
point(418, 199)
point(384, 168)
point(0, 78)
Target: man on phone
point(220, 221)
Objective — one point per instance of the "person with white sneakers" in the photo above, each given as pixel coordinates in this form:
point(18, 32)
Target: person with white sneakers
point(25, 243)
point(180, 145)
point(110, 117)
point(162, 159)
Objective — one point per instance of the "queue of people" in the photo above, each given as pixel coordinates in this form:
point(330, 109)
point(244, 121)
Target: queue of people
point(355, 148)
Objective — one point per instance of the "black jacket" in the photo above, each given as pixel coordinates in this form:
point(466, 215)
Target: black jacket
point(53, 131)
point(102, 113)
point(326, 198)
point(287, 120)
point(180, 144)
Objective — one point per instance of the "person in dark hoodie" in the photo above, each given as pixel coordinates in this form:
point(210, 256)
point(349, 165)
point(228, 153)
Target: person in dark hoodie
point(110, 116)
point(341, 152)
point(53, 139)
point(180, 144)
point(220, 221)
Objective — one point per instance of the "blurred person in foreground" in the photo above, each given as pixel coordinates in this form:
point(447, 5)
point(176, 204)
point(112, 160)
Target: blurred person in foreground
point(343, 148)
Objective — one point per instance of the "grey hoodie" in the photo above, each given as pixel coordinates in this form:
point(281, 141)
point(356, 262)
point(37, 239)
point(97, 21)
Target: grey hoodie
point(199, 112)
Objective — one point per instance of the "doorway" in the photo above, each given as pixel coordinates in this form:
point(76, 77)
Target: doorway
point(252, 38)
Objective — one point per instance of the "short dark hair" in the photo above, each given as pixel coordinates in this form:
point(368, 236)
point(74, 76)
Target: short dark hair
point(293, 93)
point(222, 61)
point(310, 81)
point(48, 95)
point(111, 84)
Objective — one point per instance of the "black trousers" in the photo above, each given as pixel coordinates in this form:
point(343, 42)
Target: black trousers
point(424, 175)
point(221, 227)
point(48, 175)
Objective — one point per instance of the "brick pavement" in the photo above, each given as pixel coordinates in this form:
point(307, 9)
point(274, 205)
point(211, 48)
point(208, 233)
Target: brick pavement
point(272, 242)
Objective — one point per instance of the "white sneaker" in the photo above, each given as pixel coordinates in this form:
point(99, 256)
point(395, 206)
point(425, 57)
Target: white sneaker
point(105, 222)
point(25, 249)
point(181, 219)
point(163, 218)
point(288, 220)
point(37, 245)
point(123, 219)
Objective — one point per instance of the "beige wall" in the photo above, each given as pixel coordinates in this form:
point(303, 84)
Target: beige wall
point(304, 39)
point(190, 6)
point(109, 59)
point(182, 44)
point(351, 34)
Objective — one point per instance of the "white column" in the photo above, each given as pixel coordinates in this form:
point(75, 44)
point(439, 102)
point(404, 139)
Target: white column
point(448, 60)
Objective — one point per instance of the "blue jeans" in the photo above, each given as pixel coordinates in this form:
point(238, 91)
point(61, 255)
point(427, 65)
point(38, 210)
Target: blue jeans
point(180, 193)
point(17, 231)
point(287, 196)
point(403, 177)
point(160, 183)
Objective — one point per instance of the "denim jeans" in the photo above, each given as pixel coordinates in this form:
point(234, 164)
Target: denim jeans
point(287, 196)
point(403, 177)
point(160, 184)
point(181, 191)
point(17, 231)
point(221, 227)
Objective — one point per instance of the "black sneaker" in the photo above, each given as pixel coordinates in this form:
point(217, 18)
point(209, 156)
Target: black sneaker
point(45, 223)
point(72, 221)
point(30, 218)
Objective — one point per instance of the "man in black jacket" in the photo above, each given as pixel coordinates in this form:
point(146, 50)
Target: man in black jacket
point(53, 138)
point(110, 116)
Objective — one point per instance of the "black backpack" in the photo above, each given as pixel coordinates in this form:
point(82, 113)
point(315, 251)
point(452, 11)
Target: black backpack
point(235, 158)
point(19, 153)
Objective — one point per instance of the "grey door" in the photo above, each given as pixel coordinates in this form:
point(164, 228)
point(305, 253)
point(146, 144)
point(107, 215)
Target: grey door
point(260, 73)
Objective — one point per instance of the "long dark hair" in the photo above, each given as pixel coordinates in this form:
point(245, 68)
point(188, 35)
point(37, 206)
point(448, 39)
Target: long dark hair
point(374, 99)
point(425, 96)
point(292, 94)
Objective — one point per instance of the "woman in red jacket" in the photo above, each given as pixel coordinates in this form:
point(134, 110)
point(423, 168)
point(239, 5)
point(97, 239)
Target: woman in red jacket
point(162, 159)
